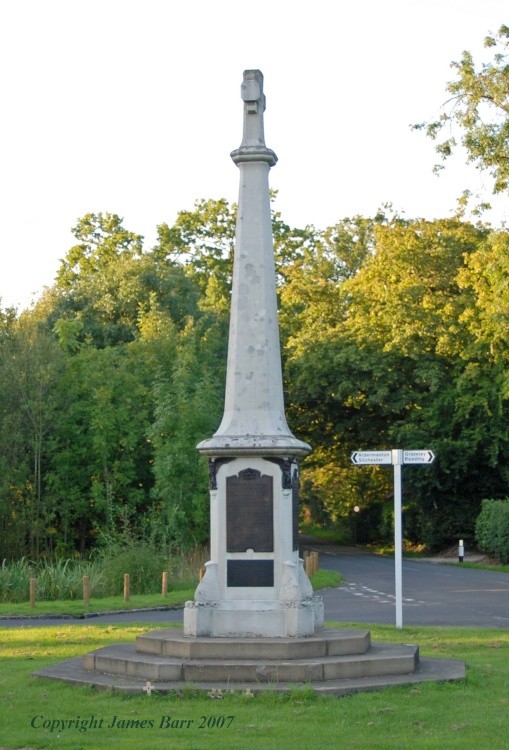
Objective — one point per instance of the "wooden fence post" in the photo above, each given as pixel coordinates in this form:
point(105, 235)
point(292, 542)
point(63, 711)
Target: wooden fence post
point(307, 563)
point(86, 591)
point(165, 585)
point(314, 562)
point(126, 587)
point(32, 592)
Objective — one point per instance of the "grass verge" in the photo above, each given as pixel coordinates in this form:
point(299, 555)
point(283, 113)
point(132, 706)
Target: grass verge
point(481, 566)
point(389, 551)
point(320, 580)
point(76, 608)
point(468, 715)
point(326, 579)
point(333, 534)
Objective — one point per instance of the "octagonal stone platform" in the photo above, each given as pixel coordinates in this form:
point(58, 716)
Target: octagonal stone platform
point(335, 661)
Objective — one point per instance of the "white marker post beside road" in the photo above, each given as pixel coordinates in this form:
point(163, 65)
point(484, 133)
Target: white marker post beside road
point(397, 458)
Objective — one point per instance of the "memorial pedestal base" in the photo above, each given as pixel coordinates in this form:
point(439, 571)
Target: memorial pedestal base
point(251, 618)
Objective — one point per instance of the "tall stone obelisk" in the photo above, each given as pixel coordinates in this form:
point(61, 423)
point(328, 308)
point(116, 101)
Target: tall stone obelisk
point(254, 584)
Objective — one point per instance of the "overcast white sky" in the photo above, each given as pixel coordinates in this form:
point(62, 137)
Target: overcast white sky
point(133, 107)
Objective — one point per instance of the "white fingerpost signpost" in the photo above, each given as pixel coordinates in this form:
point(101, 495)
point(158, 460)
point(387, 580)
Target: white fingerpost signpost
point(397, 458)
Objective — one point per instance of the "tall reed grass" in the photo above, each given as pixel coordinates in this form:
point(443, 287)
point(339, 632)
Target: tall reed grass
point(63, 579)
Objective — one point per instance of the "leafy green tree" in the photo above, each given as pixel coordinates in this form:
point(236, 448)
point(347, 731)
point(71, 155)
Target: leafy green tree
point(479, 108)
point(486, 279)
point(98, 280)
point(31, 369)
point(188, 406)
point(15, 469)
point(107, 282)
point(102, 459)
point(202, 241)
point(397, 369)
point(137, 342)
point(314, 269)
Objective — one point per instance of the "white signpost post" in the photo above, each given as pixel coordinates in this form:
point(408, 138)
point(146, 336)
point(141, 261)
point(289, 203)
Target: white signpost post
point(397, 458)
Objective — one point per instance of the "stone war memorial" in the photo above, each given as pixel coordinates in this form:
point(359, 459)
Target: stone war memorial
point(255, 622)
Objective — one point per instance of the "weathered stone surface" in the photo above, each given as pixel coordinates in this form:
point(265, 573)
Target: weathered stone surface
point(381, 659)
point(254, 420)
point(245, 671)
point(123, 659)
point(329, 642)
point(428, 670)
point(334, 654)
point(245, 598)
point(253, 467)
point(295, 663)
point(208, 589)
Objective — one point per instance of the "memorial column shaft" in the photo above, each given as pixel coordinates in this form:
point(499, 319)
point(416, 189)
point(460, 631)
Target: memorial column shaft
point(254, 584)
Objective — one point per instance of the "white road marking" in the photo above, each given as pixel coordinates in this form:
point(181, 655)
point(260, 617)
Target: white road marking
point(380, 597)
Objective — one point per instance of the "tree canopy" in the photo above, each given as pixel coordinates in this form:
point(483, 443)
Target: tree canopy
point(478, 111)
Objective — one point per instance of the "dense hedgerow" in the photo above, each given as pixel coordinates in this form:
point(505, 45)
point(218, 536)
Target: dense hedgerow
point(492, 529)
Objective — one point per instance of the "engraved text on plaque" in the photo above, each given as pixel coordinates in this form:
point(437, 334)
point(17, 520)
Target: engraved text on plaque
point(249, 512)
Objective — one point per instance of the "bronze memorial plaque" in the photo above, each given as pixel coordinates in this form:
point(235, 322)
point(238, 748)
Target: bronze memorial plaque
point(250, 573)
point(249, 512)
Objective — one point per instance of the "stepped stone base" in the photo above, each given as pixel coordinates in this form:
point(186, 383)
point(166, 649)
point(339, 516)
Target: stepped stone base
point(334, 661)
point(331, 642)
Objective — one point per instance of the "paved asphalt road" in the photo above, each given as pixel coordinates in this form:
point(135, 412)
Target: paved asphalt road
point(433, 594)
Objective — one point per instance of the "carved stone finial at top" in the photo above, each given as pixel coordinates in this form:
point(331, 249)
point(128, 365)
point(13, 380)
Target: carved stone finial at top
point(251, 91)
point(253, 146)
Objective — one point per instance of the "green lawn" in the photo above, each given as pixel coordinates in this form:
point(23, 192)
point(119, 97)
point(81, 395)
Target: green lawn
point(468, 716)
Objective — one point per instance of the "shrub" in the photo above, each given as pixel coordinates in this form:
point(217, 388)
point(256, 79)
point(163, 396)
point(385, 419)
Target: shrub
point(492, 529)
point(143, 563)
